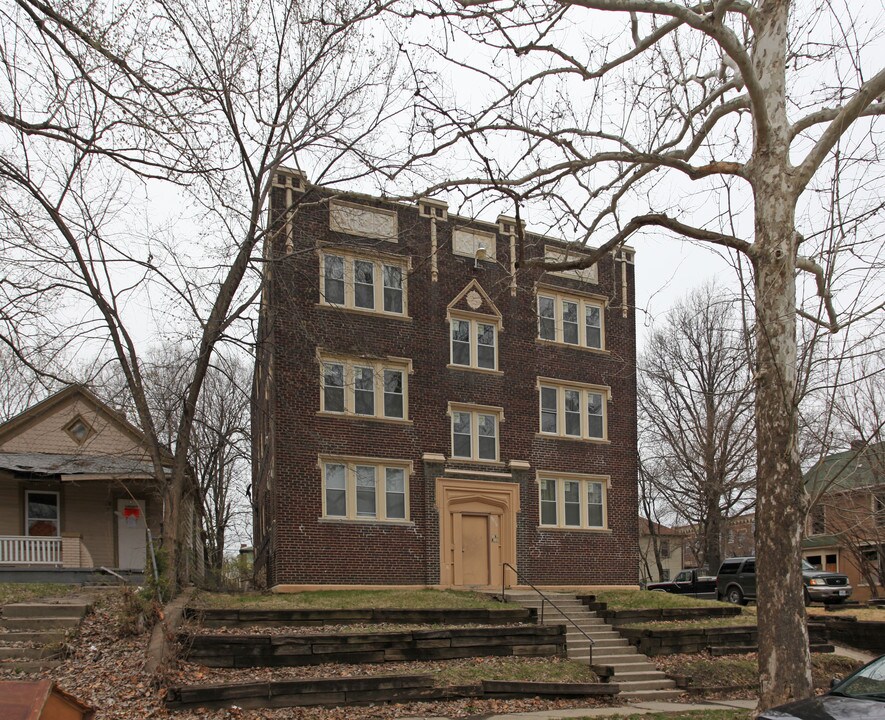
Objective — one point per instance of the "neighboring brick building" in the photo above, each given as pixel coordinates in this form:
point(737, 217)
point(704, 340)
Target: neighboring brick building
point(845, 528)
point(418, 422)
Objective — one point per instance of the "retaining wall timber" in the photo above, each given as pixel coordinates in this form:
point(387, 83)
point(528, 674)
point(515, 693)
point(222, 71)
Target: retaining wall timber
point(295, 650)
point(617, 618)
point(863, 635)
point(232, 617)
point(692, 640)
point(364, 691)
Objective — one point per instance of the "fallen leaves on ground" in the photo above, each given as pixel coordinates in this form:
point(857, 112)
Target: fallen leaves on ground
point(105, 670)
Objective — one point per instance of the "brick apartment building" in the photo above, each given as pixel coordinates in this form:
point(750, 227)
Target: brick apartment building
point(424, 414)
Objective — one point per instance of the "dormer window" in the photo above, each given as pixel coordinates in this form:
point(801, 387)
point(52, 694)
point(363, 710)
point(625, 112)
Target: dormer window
point(79, 430)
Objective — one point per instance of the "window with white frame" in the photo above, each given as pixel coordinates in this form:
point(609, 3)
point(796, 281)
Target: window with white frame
point(475, 432)
point(573, 501)
point(365, 489)
point(367, 388)
point(42, 513)
point(474, 343)
point(879, 508)
point(363, 283)
point(570, 320)
point(573, 410)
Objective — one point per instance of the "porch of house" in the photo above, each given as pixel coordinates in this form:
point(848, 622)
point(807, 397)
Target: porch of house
point(63, 559)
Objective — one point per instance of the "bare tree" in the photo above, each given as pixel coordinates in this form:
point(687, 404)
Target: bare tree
point(209, 100)
point(719, 122)
point(696, 414)
point(652, 508)
point(221, 453)
point(847, 483)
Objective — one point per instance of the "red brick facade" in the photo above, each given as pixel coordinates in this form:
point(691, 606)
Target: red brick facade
point(295, 544)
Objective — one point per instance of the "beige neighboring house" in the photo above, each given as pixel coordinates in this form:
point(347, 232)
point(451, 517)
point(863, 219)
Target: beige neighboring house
point(76, 490)
point(670, 546)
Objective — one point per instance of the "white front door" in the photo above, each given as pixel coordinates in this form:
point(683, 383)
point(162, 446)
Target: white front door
point(131, 534)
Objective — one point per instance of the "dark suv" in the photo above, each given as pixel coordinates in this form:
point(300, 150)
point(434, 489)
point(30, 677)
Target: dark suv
point(736, 583)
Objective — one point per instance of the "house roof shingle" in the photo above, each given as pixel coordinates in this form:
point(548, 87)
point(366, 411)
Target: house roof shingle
point(51, 464)
point(847, 470)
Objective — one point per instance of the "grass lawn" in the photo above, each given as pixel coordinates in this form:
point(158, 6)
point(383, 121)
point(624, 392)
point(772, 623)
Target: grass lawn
point(21, 592)
point(688, 715)
point(746, 619)
point(743, 670)
point(471, 671)
point(351, 599)
point(646, 599)
point(869, 614)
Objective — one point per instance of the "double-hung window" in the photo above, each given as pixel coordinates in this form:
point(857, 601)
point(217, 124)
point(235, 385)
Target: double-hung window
point(365, 488)
point(573, 410)
point(474, 343)
point(475, 432)
point(571, 320)
point(363, 283)
point(366, 388)
point(42, 513)
point(572, 501)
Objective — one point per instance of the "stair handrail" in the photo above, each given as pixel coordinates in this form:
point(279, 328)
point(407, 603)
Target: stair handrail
point(544, 599)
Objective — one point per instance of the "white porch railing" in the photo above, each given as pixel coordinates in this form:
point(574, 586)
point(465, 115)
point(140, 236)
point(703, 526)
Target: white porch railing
point(17, 550)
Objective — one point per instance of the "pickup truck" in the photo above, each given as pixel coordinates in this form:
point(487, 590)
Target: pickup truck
point(688, 582)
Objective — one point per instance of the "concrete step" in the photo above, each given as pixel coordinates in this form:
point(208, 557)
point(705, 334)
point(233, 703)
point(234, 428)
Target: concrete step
point(637, 676)
point(640, 695)
point(603, 642)
point(601, 634)
point(600, 659)
point(35, 636)
point(28, 653)
point(566, 605)
point(584, 646)
point(618, 654)
point(622, 669)
point(45, 610)
point(40, 623)
point(621, 661)
point(28, 665)
point(635, 685)
point(551, 618)
point(616, 651)
point(593, 631)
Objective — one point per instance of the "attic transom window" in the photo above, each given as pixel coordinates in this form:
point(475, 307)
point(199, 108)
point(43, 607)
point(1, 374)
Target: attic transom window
point(79, 430)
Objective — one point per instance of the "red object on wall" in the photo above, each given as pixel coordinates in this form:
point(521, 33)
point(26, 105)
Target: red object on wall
point(131, 511)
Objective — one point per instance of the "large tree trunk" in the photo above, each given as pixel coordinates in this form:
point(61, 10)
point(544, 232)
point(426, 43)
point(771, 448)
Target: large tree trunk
point(784, 659)
point(713, 535)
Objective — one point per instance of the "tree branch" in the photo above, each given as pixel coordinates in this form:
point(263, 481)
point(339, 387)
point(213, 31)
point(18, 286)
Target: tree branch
point(842, 120)
point(832, 323)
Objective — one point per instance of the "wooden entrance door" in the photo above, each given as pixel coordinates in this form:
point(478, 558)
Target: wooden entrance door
point(475, 550)
point(477, 531)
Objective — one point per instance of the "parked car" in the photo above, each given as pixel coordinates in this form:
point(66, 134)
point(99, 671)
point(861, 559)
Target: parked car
point(736, 583)
point(860, 696)
point(688, 582)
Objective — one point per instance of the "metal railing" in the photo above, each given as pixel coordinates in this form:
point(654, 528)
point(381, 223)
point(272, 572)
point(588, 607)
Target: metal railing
point(19, 550)
point(544, 599)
